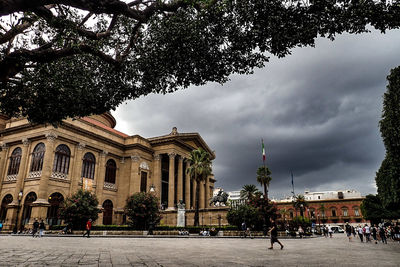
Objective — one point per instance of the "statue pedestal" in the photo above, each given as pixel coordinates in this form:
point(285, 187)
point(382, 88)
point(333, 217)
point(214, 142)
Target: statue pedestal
point(180, 217)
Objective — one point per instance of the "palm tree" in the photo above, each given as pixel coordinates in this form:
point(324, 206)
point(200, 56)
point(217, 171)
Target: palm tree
point(300, 203)
point(284, 213)
point(264, 178)
point(248, 191)
point(199, 170)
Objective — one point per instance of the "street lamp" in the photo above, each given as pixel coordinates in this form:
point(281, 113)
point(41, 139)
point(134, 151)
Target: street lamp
point(151, 224)
point(20, 194)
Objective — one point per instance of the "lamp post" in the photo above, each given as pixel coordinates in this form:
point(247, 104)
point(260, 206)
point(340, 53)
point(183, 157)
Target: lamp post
point(151, 224)
point(20, 194)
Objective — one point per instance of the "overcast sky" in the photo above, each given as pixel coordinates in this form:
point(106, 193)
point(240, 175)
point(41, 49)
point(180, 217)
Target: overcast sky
point(317, 111)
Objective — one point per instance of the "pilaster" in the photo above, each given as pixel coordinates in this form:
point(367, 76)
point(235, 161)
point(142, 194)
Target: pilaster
point(77, 172)
point(3, 161)
point(101, 175)
point(157, 176)
point(134, 185)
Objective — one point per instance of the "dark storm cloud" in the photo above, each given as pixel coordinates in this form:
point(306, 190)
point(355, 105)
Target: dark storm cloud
point(317, 111)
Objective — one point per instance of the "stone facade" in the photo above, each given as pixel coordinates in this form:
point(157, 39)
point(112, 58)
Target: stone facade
point(41, 165)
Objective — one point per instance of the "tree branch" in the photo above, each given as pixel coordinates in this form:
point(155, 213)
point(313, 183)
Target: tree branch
point(14, 32)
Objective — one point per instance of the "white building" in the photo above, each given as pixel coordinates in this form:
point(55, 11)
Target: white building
point(326, 195)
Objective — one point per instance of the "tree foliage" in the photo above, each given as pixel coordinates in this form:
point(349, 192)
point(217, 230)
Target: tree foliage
point(300, 203)
point(199, 169)
point(142, 210)
point(70, 58)
point(264, 178)
point(388, 175)
point(248, 191)
point(79, 208)
point(255, 213)
point(372, 209)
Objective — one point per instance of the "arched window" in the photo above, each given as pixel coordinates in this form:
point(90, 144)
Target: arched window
point(291, 214)
point(3, 210)
point(107, 212)
point(89, 162)
point(61, 159)
point(356, 211)
point(333, 212)
point(26, 214)
point(55, 200)
point(15, 161)
point(37, 157)
point(345, 212)
point(111, 169)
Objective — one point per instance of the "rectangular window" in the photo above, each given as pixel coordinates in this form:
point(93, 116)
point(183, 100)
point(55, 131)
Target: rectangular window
point(356, 212)
point(143, 182)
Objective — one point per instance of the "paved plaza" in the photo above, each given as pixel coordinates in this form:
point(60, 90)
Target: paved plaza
point(107, 251)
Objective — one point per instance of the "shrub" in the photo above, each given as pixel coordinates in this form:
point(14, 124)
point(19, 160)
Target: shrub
point(142, 210)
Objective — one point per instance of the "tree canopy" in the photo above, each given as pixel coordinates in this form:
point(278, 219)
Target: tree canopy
point(69, 58)
point(388, 175)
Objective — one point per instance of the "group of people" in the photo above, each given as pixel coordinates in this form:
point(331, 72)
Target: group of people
point(38, 228)
point(378, 232)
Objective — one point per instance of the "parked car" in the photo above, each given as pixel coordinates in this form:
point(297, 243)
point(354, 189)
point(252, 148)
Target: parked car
point(337, 229)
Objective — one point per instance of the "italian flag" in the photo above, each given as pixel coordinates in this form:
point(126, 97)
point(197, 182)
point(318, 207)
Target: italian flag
point(263, 150)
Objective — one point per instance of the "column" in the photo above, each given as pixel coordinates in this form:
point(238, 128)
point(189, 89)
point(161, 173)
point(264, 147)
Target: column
point(194, 193)
point(3, 163)
point(180, 179)
point(202, 195)
point(134, 184)
point(22, 168)
point(100, 176)
point(157, 176)
point(171, 183)
point(48, 161)
point(207, 196)
point(187, 187)
point(77, 172)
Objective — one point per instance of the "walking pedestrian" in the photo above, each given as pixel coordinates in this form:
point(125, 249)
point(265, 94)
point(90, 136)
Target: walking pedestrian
point(374, 232)
point(330, 231)
point(367, 232)
point(382, 234)
point(35, 227)
point(360, 233)
point(244, 229)
point(88, 227)
point(274, 235)
point(348, 231)
point(41, 228)
point(1, 226)
point(353, 231)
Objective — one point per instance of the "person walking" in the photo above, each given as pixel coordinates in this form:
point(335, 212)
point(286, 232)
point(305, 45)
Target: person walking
point(41, 228)
point(374, 231)
point(88, 227)
point(348, 231)
point(1, 226)
point(382, 234)
point(330, 231)
point(35, 227)
point(367, 232)
point(274, 235)
point(244, 229)
point(353, 231)
point(360, 233)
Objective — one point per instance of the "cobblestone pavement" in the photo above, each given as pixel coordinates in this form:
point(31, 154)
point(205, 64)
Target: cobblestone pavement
point(78, 251)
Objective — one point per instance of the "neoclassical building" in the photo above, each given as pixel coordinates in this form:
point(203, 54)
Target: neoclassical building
point(41, 165)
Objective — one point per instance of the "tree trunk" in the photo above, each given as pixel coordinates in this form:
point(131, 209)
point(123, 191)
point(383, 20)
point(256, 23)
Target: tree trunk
point(265, 191)
point(196, 213)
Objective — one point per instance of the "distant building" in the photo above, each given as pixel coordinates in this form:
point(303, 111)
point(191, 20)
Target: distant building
point(326, 207)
